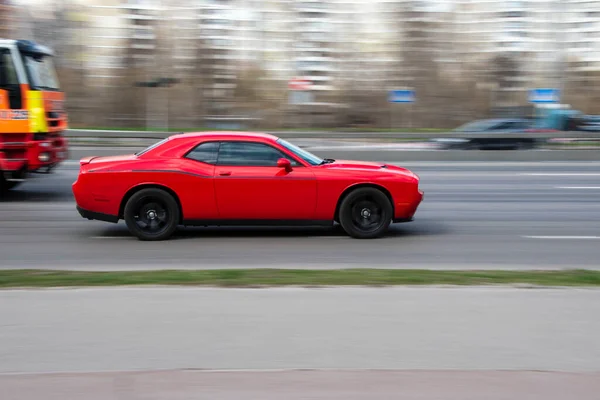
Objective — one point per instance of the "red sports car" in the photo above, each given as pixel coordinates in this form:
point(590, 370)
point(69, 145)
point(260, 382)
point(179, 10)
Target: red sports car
point(242, 179)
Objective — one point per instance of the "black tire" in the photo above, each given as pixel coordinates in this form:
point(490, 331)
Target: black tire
point(526, 145)
point(151, 214)
point(365, 213)
point(472, 145)
point(9, 185)
point(5, 185)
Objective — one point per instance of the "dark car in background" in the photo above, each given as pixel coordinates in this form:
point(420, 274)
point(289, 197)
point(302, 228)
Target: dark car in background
point(490, 134)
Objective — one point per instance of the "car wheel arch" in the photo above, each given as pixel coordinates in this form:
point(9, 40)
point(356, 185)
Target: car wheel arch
point(351, 188)
point(142, 186)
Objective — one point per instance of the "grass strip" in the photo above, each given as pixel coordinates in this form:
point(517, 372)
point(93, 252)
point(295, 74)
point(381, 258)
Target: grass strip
point(285, 277)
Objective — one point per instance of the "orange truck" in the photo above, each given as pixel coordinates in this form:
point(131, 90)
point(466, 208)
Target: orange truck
point(32, 113)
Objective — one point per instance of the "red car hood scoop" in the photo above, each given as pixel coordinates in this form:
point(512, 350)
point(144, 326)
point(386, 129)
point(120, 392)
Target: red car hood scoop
point(366, 165)
point(356, 164)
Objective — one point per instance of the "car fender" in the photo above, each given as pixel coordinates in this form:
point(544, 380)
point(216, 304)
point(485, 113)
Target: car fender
point(355, 185)
point(148, 184)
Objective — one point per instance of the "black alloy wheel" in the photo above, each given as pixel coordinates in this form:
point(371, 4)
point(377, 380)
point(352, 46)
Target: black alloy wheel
point(152, 214)
point(366, 213)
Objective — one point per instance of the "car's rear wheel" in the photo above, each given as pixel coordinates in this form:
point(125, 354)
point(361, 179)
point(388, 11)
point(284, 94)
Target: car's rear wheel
point(365, 213)
point(151, 214)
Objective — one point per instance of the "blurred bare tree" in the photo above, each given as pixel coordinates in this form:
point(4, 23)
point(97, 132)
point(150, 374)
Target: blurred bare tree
point(504, 71)
point(582, 87)
point(64, 30)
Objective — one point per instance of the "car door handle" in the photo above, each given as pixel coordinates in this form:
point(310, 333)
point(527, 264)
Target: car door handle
point(225, 173)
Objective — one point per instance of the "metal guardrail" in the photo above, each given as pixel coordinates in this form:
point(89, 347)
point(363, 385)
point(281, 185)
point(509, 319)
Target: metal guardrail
point(102, 135)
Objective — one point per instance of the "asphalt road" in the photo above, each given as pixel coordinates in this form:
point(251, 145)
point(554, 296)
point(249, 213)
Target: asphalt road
point(394, 152)
point(475, 215)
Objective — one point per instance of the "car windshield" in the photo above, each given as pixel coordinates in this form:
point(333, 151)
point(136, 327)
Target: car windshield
point(40, 70)
point(476, 126)
point(303, 154)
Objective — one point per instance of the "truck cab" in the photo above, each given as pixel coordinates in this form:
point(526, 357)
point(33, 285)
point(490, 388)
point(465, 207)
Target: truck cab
point(32, 114)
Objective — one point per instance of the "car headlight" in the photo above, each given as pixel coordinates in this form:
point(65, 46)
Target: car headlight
point(44, 157)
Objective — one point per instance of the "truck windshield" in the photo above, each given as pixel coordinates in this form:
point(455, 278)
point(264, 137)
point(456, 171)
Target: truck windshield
point(41, 73)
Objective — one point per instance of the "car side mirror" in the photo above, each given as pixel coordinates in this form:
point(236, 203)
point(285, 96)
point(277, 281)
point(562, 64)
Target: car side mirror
point(285, 164)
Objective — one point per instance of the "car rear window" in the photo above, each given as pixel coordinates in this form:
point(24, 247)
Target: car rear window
point(205, 152)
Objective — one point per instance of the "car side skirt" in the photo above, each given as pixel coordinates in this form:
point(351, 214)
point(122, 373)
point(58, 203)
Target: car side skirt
point(92, 215)
point(256, 222)
point(97, 216)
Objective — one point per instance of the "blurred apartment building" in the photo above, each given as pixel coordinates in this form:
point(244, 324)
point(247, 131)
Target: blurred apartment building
point(543, 43)
point(333, 44)
point(582, 41)
point(345, 48)
point(7, 16)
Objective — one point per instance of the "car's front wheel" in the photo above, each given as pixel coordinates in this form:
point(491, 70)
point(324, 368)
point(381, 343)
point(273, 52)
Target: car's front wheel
point(366, 213)
point(151, 214)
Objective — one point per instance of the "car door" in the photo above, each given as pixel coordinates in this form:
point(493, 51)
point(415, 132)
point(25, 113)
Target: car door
point(196, 188)
point(250, 186)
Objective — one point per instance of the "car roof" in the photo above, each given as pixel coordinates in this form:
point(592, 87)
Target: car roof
point(224, 135)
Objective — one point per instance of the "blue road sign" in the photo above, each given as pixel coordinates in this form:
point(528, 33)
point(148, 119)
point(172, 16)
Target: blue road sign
point(401, 96)
point(544, 95)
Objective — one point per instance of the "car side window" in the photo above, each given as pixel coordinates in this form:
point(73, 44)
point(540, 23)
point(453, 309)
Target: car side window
point(519, 125)
point(250, 155)
point(205, 152)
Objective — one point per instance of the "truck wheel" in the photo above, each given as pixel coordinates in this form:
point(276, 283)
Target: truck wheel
point(151, 214)
point(365, 213)
point(5, 185)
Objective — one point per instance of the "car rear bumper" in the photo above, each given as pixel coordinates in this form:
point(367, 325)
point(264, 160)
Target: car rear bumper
point(97, 216)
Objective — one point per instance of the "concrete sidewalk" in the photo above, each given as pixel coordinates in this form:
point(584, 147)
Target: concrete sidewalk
point(356, 343)
point(117, 329)
point(296, 385)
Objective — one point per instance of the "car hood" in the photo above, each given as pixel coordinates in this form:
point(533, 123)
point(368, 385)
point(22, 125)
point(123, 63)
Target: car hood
point(368, 166)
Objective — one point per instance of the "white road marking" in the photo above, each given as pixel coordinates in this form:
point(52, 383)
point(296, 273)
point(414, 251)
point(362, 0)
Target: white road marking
point(563, 237)
point(559, 174)
point(577, 187)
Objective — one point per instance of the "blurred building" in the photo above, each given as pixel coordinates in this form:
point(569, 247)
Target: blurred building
point(581, 37)
point(106, 41)
point(234, 58)
point(7, 18)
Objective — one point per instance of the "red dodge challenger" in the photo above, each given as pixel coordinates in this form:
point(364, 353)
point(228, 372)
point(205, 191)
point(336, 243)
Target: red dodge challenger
point(242, 179)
